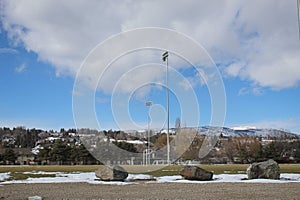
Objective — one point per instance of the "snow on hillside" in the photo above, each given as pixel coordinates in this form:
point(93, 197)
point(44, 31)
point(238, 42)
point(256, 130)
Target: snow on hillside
point(243, 128)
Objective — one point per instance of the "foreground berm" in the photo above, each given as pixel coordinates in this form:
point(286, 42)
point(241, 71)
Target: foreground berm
point(111, 173)
point(195, 173)
point(268, 170)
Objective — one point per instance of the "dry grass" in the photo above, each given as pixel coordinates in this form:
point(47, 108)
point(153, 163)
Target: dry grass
point(21, 176)
point(290, 168)
point(155, 170)
point(49, 168)
point(216, 169)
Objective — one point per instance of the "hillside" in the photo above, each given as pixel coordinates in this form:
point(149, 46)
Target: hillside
point(233, 145)
point(248, 131)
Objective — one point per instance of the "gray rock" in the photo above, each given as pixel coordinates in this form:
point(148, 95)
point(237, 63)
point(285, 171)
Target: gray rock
point(111, 173)
point(195, 173)
point(268, 169)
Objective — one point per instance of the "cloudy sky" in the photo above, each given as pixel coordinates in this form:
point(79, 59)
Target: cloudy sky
point(254, 45)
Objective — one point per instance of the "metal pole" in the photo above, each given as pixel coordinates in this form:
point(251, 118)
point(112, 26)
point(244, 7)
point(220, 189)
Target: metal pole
point(144, 157)
point(165, 58)
point(149, 103)
point(168, 113)
point(148, 150)
point(298, 9)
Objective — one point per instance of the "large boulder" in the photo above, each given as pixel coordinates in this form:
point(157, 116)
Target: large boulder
point(111, 173)
point(195, 173)
point(268, 169)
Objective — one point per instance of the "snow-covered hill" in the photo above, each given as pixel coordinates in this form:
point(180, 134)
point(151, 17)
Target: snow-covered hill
point(247, 131)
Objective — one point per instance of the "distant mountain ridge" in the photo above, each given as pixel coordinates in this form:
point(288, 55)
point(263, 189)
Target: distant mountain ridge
point(250, 131)
point(230, 132)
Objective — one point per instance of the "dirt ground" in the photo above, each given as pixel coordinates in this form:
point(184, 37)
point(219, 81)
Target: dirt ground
point(153, 191)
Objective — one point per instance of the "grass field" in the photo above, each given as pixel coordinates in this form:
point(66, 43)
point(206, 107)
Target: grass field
point(155, 170)
point(22, 176)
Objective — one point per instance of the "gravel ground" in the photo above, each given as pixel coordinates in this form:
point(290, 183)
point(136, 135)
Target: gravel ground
point(153, 191)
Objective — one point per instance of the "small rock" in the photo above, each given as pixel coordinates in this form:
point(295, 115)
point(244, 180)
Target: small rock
point(111, 173)
point(268, 169)
point(195, 173)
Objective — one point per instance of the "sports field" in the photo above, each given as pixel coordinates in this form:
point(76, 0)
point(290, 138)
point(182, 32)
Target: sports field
point(16, 188)
point(156, 170)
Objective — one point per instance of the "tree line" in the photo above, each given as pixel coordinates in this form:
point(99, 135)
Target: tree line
point(245, 149)
point(65, 153)
point(68, 149)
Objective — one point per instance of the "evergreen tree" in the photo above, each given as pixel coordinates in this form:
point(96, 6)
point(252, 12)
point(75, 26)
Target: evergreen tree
point(60, 152)
point(126, 146)
point(9, 156)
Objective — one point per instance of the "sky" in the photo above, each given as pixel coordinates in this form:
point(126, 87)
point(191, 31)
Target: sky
point(51, 49)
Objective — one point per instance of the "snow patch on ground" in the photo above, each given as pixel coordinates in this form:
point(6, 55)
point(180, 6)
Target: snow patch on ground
point(90, 177)
point(232, 178)
point(39, 172)
point(139, 177)
point(166, 179)
point(4, 176)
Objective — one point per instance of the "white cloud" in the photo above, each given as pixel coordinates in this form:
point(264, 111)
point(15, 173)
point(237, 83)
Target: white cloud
point(8, 50)
point(187, 84)
point(21, 68)
point(253, 40)
point(273, 54)
point(251, 90)
point(234, 69)
point(199, 79)
point(102, 100)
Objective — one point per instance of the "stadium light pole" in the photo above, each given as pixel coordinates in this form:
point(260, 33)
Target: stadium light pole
point(148, 104)
point(165, 59)
point(298, 9)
